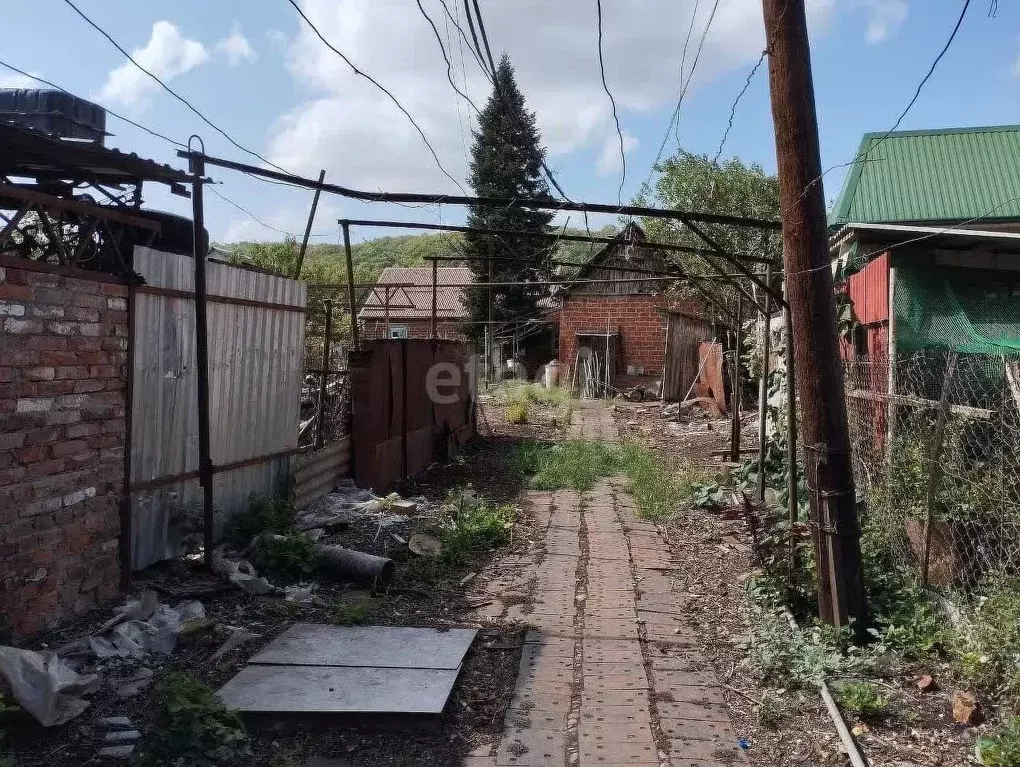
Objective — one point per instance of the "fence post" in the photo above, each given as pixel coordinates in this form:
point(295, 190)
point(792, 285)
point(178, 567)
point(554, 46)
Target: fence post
point(351, 302)
point(403, 408)
point(934, 474)
point(327, 332)
point(763, 388)
point(735, 404)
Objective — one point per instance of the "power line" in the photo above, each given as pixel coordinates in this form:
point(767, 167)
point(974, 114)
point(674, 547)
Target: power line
point(612, 101)
point(259, 221)
point(378, 85)
point(463, 38)
point(168, 89)
point(446, 58)
point(499, 93)
point(917, 93)
point(736, 102)
point(169, 140)
point(684, 85)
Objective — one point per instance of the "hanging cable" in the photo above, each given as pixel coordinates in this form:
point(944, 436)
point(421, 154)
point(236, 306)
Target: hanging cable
point(736, 102)
point(378, 85)
point(446, 58)
point(612, 101)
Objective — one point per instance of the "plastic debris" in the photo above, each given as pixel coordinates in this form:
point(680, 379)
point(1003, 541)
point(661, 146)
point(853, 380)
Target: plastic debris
point(45, 686)
point(241, 573)
point(302, 595)
point(129, 687)
point(125, 751)
point(238, 636)
point(132, 637)
point(744, 744)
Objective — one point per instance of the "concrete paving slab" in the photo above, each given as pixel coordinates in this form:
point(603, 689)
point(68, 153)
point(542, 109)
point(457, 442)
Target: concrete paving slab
point(532, 748)
point(338, 690)
point(314, 644)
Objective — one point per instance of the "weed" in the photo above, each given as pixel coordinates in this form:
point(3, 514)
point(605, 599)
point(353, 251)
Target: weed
point(516, 412)
point(657, 489)
point(280, 610)
point(772, 710)
point(287, 558)
point(862, 698)
point(350, 614)
point(468, 524)
point(574, 464)
point(990, 647)
point(519, 395)
point(191, 727)
point(1001, 748)
point(263, 516)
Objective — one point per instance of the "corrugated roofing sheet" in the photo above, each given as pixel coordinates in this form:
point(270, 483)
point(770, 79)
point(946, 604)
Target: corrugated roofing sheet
point(952, 175)
point(416, 302)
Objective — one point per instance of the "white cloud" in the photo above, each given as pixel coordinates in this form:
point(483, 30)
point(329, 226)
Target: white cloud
point(349, 127)
point(885, 17)
point(14, 80)
point(167, 55)
point(609, 160)
point(237, 48)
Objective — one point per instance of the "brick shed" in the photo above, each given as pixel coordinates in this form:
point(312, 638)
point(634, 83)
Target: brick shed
point(633, 314)
point(63, 350)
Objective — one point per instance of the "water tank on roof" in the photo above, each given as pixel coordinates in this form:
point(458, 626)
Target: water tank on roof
point(53, 112)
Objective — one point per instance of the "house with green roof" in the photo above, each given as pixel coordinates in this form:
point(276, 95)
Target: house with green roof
point(926, 239)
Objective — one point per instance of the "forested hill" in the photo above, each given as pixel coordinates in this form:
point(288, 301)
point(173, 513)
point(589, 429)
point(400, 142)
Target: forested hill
point(324, 263)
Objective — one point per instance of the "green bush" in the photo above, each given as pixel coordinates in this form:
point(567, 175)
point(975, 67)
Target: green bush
point(263, 516)
point(989, 653)
point(516, 412)
point(287, 558)
point(191, 728)
point(1001, 748)
point(862, 698)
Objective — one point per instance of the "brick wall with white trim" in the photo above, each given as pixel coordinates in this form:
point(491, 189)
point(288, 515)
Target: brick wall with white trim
point(63, 382)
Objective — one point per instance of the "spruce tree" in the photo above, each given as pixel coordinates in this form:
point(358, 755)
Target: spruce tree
point(506, 161)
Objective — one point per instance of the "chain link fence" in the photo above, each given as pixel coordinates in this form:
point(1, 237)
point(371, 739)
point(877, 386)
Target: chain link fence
point(936, 456)
point(326, 390)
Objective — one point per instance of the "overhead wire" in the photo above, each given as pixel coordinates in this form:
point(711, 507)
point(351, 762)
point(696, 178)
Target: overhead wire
point(463, 37)
point(736, 103)
point(378, 85)
point(168, 89)
point(612, 102)
point(485, 37)
point(169, 140)
point(863, 156)
point(446, 58)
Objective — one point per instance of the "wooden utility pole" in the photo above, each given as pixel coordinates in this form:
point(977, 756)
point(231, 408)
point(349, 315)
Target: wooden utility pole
point(812, 305)
point(763, 390)
point(308, 227)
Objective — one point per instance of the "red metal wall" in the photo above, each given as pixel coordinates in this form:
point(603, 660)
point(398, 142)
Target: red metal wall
point(397, 428)
point(869, 291)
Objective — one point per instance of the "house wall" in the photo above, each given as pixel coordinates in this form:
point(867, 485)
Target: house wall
point(63, 379)
point(375, 329)
point(868, 290)
point(637, 318)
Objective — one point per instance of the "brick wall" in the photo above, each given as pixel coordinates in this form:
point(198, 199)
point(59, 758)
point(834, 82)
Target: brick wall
point(375, 329)
point(641, 326)
point(63, 353)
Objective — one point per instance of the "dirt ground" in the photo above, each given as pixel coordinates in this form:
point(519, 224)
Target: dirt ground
point(473, 713)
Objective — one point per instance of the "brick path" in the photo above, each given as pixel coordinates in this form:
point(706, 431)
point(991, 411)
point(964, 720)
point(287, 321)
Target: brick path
point(610, 675)
point(591, 419)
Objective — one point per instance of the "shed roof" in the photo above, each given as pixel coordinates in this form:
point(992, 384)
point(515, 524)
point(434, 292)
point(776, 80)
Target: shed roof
point(416, 302)
point(936, 176)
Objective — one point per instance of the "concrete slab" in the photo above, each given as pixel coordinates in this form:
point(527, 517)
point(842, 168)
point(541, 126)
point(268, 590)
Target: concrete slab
point(338, 690)
point(313, 644)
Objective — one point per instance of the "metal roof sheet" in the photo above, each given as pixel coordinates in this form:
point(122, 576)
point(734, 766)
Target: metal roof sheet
point(450, 302)
point(948, 175)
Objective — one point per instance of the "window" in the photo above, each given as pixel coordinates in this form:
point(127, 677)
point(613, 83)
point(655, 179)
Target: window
point(398, 331)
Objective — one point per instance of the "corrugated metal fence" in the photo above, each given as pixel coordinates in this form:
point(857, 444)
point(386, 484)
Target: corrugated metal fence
point(400, 425)
point(256, 342)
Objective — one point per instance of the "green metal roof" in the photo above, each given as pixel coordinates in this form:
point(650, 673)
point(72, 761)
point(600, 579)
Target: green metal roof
point(949, 175)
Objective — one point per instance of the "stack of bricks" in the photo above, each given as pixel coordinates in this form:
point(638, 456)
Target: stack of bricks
point(63, 381)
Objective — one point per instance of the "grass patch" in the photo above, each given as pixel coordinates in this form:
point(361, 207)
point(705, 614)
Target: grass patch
point(468, 525)
point(579, 464)
point(862, 698)
point(990, 638)
point(516, 412)
point(191, 727)
point(263, 516)
point(351, 614)
point(286, 558)
point(517, 396)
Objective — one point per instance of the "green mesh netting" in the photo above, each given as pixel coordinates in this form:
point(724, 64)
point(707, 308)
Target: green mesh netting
point(973, 311)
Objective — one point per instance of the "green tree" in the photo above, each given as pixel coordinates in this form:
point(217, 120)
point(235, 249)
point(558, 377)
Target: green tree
point(506, 161)
point(695, 183)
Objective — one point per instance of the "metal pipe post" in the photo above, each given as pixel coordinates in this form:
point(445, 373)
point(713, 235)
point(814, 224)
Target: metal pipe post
point(346, 228)
point(763, 390)
point(735, 404)
point(327, 337)
point(205, 465)
point(308, 227)
point(435, 278)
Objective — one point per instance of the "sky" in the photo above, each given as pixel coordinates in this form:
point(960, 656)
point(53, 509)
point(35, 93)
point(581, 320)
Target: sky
point(257, 72)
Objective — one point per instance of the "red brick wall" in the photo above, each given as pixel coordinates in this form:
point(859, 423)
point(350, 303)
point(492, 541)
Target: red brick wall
point(374, 329)
point(642, 328)
point(63, 353)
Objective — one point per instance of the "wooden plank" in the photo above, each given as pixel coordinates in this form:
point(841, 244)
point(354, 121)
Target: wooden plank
point(928, 404)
